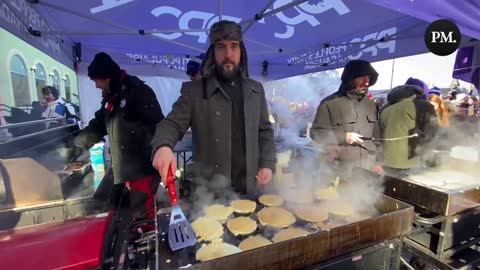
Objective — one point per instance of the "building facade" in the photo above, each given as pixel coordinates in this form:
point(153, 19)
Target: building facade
point(25, 70)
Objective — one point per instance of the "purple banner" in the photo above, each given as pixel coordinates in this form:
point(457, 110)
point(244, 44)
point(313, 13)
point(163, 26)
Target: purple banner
point(293, 39)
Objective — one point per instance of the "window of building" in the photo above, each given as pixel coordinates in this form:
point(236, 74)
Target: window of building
point(19, 77)
point(40, 79)
point(68, 88)
point(56, 80)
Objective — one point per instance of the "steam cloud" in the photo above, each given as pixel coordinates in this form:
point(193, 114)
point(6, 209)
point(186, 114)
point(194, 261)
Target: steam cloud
point(309, 170)
point(215, 191)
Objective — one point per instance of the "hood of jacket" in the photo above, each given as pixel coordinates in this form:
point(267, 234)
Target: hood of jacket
point(355, 69)
point(402, 92)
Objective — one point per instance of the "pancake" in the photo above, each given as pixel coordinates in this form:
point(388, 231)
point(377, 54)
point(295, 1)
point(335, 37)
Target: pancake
point(341, 209)
point(276, 217)
point(325, 193)
point(289, 233)
point(216, 250)
point(299, 196)
point(270, 200)
point(254, 242)
point(242, 225)
point(311, 213)
point(218, 212)
point(207, 229)
point(216, 240)
point(243, 206)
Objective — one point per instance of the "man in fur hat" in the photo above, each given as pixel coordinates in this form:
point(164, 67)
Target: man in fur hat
point(346, 116)
point(128, 115)
point(227, 112)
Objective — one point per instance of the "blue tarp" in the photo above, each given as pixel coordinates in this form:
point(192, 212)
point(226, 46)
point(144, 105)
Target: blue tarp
point(155, 37)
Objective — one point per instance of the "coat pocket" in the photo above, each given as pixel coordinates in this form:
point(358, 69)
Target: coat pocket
point(372, 118)
point(342, 120)
point(344, 114)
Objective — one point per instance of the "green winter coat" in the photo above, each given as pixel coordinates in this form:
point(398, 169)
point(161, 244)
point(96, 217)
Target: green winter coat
point(406, 114)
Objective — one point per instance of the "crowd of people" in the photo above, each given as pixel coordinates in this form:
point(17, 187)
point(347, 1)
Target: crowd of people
point(412, 121)
point(228, 114)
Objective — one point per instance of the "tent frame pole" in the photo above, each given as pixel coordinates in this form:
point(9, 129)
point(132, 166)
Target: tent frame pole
point(220, 9)
point(115, 25)
point(258, 15)
point(282, 8)
point(262, 15)
point(126, 32)
point(274, 49)
point(393, 72)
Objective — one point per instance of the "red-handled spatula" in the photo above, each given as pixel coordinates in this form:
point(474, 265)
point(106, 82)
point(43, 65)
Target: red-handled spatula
point(180, 232)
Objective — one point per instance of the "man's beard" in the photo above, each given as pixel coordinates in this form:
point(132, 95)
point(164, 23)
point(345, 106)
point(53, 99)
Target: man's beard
point(105, 93)
point(227, 74)
point(362, 90)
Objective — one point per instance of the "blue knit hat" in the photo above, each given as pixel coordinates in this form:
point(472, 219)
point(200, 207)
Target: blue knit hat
point(193, 66)
point(435, 91)
point(418, 82)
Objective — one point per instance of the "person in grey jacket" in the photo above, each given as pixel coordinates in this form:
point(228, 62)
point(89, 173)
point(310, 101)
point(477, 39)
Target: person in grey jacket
point(346, 116)
point(227, 112)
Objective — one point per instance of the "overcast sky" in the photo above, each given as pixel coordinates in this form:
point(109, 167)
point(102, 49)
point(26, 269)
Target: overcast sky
point(430, 68)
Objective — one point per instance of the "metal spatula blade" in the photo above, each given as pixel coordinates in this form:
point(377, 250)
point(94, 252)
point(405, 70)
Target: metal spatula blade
point(180, 232)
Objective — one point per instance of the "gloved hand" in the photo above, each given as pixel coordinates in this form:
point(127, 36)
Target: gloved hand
point(353, 138)
point(378, 169)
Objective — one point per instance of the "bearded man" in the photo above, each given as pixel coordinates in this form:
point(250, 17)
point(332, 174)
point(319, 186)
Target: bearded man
point(227, 112)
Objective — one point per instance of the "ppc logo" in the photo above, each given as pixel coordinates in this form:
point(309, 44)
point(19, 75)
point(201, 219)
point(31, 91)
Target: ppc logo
point(442, 37)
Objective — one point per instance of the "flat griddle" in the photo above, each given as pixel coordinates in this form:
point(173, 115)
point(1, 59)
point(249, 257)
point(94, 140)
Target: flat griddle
point(441, 201)
point(394, 221)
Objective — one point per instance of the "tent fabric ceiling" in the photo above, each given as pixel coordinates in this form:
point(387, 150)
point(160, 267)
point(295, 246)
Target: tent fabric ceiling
point(464, 13)
point(292, 37)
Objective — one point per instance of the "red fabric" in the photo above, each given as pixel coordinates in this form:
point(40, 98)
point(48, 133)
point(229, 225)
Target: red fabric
point(145, 185)
point(123, 76)
point(111, 100)
point(109, 106)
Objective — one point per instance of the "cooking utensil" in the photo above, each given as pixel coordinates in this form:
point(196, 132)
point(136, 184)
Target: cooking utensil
point(336, 182)
point(389, 139)
point(78, 165)
point(180, 231)
point(78, 168)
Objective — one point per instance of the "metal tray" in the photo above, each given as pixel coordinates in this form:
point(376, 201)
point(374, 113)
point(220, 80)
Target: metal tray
point(442, 202)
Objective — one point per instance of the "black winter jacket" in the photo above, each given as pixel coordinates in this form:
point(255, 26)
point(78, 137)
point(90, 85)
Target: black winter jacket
point(130, 126)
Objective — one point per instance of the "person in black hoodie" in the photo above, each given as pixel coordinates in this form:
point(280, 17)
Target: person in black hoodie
point(346, 116)
point(128, 114)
